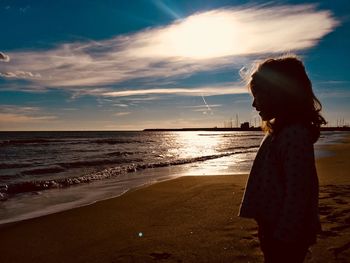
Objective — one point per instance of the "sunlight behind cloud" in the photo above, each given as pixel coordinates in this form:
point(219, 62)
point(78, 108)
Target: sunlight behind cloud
point(202, 36)
point(230, 32)
point(201, 42)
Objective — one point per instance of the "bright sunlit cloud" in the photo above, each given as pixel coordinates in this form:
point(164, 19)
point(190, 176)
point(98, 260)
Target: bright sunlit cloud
point(206, 91)
point(202, 41)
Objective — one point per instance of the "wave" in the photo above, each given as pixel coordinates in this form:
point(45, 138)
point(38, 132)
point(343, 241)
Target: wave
point(241, 147)
point(43, 170)
point(8, 190)
point(28, 141)
point(98, 162)
point(121, 153)
point(115, 141)
point(14, 165)
point(110, 141)
point(78, 164)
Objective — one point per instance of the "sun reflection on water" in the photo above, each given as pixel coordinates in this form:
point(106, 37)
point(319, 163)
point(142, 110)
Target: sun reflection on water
point(192, 144)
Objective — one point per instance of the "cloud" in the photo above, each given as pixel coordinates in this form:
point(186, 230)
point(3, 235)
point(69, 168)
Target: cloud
point(120, 105)
point(339, 94)
point(18, 109)
point(205, 108)
point(199, 91)
point(121, 113)
point(23, 114)
point(20, 75)
point(201, 107)
point(4, 57)
point(18, 118)
point(232, 32)
point(69, 109)
point(142, 99)
point(24, 9)
point(200, 42)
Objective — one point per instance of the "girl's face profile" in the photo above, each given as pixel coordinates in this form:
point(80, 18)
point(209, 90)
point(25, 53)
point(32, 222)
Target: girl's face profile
point(262, 102)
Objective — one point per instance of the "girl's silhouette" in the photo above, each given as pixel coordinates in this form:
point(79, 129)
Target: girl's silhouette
point(282, 189)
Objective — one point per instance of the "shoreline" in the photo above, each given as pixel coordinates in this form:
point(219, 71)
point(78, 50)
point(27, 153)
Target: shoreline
point(76, 196)
point(187, 219)
point(39, 203)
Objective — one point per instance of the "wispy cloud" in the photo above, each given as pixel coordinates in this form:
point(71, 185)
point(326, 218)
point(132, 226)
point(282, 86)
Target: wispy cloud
point(142, 99)
point(185, 91)
point(20, 75)
point(340, 94)
point(201, 107)
point(333, 82)
point(4, 57)
point(118, 114)
point(69, 109)
point(205, 109)
point(200, 42)
point(19, 118)
point(120, 105)
point(23, 114)
point(18, 109)
point(24, 9)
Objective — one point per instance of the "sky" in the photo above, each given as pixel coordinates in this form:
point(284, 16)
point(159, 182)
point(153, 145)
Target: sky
point(131, 65)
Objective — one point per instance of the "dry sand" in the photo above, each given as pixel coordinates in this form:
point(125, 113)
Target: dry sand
point(188, 219)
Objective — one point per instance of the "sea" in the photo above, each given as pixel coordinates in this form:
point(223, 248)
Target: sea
point(47, 172)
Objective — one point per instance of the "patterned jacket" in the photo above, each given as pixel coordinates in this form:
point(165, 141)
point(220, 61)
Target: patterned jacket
point(282, 188)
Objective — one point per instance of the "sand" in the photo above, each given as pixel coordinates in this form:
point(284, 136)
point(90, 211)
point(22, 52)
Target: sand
point(188, 219)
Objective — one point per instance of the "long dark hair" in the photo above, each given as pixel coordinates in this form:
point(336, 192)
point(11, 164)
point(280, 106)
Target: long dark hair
point(286, 80)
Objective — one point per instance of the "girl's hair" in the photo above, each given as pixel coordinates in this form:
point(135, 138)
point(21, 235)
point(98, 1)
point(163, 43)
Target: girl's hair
point(286, 82)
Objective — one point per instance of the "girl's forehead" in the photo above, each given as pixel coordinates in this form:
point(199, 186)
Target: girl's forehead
point(255, 93)
point(253, 86)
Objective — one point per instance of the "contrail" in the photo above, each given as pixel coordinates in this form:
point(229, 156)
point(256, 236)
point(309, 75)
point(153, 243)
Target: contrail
point(206, 104)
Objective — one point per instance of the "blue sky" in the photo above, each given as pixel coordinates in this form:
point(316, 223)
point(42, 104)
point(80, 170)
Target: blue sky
point(130, 65)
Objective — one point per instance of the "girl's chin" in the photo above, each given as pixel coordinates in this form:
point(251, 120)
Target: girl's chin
point(265, 117)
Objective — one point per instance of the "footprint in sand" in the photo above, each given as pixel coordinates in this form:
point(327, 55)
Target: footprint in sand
point(338, 250)
point(340, 201)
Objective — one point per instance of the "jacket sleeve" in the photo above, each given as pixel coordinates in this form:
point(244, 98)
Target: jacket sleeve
point(298, 165)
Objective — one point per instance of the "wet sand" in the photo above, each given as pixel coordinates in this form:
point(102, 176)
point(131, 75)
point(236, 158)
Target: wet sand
point(188, 219)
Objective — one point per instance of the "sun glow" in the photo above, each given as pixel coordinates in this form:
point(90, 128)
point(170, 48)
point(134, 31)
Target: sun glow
point(204, 36)
point(197, 43)
point(230, 32)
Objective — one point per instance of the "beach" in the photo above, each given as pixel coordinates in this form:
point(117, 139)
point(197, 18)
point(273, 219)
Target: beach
point(187, 219)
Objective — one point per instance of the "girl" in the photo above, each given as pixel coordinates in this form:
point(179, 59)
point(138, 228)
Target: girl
point(282, 189)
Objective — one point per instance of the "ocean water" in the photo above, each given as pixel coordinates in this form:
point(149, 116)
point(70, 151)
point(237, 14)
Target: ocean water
point(46, 172)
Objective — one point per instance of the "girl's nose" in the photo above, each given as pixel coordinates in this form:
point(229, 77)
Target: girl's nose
point(254, 103)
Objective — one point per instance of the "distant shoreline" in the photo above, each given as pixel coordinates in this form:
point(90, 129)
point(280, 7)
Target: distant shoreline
point(207, 129)
point(178, 129)
point(240, 129)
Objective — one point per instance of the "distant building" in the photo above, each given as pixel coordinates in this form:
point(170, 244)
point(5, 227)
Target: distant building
point(245, 125)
